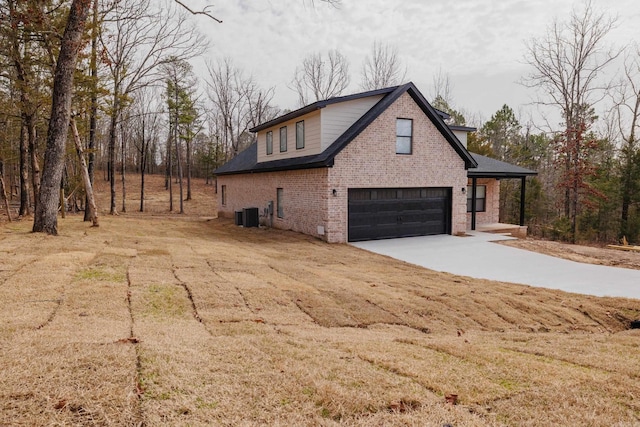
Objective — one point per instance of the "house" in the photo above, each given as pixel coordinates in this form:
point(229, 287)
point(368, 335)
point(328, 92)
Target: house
point(373, 165)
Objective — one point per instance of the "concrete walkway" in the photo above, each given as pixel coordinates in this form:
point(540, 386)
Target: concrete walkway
point(476, 256)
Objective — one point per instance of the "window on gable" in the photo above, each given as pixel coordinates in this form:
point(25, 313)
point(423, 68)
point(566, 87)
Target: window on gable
point(269, 142)
point(481, 198)
point(279, 201)
point(404, 133)
point(283, 139)
point(300, 134)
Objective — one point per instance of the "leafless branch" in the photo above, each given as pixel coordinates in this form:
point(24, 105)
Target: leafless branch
point(199, 12)
point(382, 68)
point(321, 78)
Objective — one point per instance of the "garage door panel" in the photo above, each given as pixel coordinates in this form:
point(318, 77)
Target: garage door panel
point(399, 212)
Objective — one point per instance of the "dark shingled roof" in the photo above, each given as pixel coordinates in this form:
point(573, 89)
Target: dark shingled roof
point(320, 104)
point(246, 162)
point(492, 168)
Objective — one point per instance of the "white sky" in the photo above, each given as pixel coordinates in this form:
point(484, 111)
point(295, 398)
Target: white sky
point(480, 44)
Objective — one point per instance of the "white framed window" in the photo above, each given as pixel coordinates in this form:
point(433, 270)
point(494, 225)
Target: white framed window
point(283, 139)
point(269, 142)
point(300, 135)
point(481, 198)
point(404, 136)
point(280, 201)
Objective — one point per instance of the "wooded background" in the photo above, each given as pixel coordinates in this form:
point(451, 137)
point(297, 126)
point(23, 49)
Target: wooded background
point(141, 108)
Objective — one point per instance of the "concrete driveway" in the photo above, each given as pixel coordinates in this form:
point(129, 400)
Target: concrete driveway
point(477, 256)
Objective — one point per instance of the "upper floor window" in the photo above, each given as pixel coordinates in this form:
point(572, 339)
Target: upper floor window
point(300, 134)
point(404, 133)
point(283, 139)
point(481, 198)
point(269, 142)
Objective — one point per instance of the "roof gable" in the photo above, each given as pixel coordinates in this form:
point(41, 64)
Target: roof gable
point(248, 163)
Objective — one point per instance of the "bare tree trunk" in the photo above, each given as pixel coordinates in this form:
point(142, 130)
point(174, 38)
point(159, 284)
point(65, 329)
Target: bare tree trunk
point(169, 176)
point(63, 205)
point(24, 169)
point(112, 154)
point(124, 167)
point(188, 169)
point(143, 167)
point(177, 145)
point(93, 113)
point(35, 165)
point(46, 219)
point(91, 205)
point(179, 159)
point(143, 164)
point(3, 192)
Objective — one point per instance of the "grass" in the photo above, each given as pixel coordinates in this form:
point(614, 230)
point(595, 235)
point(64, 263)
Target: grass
point(164, 319)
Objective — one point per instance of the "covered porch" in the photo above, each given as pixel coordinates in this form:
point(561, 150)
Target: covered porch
point(478, 201)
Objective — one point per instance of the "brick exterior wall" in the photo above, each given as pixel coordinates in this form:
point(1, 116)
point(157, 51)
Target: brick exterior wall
point(492, 211)
point(369, 161)
point(304, 198)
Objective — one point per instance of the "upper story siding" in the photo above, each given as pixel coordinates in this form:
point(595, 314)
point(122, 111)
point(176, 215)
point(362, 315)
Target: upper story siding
point(321, 127)
point(337, 118)
point(311, 139)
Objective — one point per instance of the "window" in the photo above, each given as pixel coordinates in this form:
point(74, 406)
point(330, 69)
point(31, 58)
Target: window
point(279, 201)
point(224, 195)
point(269, 142)
point(283, 139)
point(300, 135)
point(481, 197)
point(404, 131)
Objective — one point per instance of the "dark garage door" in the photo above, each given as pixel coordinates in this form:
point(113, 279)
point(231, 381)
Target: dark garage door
point(384, 213)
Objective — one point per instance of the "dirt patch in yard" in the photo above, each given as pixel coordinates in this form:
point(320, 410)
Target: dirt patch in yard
point(166, 319)
point(580, 253)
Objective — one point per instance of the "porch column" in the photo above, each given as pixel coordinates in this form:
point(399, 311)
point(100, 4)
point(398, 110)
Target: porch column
point(474, 182)
point(523, 183)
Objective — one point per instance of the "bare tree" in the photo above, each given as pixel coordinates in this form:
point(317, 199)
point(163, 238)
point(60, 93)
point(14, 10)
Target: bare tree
point(3, 192)
point(45, 219)
point(383, 68)
point(442, 87)
point(139, 38)
point(259, 104)
point(93, 104)
point(25, 27)
point(86, 179)
point(321, 77)
point(146, 126)
point(627, 101)
point(239, 103)
point(568, 63)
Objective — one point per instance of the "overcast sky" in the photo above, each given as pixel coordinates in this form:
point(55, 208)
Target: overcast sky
point(480, 44)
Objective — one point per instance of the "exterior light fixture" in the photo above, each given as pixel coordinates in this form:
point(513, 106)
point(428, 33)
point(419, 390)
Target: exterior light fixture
point(334, 192)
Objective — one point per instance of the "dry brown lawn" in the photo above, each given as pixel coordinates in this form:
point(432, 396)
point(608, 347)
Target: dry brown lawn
point(162, 319)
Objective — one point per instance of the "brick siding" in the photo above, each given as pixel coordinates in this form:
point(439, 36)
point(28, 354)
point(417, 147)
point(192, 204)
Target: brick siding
point(492, 210)
point(369, 161)
point(304, 198)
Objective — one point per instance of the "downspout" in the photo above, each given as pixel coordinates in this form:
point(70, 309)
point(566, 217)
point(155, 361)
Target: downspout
point(474, 184)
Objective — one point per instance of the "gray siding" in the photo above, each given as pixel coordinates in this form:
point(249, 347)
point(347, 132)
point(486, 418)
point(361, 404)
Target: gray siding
point(337, 118)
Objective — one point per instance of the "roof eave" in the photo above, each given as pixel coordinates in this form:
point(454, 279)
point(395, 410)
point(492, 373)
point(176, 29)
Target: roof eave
point(472, 174)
